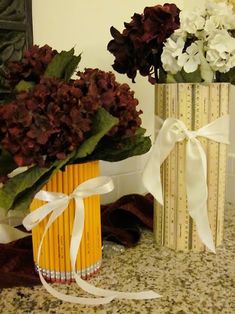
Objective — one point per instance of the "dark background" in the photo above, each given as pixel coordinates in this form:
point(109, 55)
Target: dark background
point(16, 33)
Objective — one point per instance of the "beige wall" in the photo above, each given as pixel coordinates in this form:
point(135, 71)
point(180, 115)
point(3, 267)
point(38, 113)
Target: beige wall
point(85, 24)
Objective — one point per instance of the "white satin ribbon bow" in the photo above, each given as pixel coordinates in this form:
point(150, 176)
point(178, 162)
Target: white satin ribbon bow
point(57, 203)
point(171, 132)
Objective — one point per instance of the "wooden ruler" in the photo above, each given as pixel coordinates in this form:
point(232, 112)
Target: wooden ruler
point(183, 222)
point(158, 209)
point(224, 101)
point(200, 105)
point(167, 175)
point(213, 159)
point(172, 173)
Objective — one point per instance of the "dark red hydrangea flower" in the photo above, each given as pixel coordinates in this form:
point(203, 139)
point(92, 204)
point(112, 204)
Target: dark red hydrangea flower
point(44, 124)
point(139, 46)
point(50, 121)
point(31, 67)
point(100, 89)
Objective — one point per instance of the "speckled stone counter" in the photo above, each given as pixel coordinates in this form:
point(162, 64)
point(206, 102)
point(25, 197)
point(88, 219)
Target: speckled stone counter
point(189, 283)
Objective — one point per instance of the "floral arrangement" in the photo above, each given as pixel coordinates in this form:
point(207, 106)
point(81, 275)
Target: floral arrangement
point(178, 46)
point(51, 120)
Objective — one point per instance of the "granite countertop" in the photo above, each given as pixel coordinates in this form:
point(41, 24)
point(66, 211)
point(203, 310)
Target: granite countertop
point(188, 282)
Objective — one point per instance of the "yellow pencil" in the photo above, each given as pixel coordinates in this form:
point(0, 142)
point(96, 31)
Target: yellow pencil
point(46, 245)
point(71, 185)
point(40, 227)
point(74, 173)
point(34, 235)
point(92, 235)
point(97, 220)
point(67, 189)
point(92, 214)
point(82, 178)
point(98, 232)
point(37, 230)
point(51, 265)
point(88, 225)
point(60, 177)
point(95, 223)
point(56, 236)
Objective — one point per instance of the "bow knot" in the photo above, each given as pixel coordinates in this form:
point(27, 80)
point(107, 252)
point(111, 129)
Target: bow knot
point(180, 129)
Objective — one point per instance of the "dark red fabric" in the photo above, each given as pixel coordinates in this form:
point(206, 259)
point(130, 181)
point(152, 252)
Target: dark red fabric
point(16, 264)
point(121, 222)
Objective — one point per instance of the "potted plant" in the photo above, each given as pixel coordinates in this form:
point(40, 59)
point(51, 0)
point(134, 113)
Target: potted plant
point(190, 57)
point(54, 129)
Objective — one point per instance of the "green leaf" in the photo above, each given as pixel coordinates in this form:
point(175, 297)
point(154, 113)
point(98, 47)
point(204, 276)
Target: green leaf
point(194, 77)
point(162, 76)
point(24, 86)
point(122, 148)
point(170, 78)
point(72, 66)
point(140, 131)
point(18, 192)
point(23, 200)
point(57, 67)
point(228, 76)
point(8, 162)
point(102, 123)
point(18, 184)
point(206, 72)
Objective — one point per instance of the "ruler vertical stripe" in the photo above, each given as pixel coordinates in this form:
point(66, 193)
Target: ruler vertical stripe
point(223, 151)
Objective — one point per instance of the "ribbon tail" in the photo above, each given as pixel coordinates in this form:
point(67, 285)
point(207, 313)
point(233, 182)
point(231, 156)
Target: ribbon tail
point(74, 299)
point(201, 220)
point(143, 295)
point(217, 130)
point(152, 175)
point(196, 182)
point(9, 234)
point(84, 285)
point(165, 142)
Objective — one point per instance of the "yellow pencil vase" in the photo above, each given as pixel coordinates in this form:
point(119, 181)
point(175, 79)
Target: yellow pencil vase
point(195, 105)
point(54, 262)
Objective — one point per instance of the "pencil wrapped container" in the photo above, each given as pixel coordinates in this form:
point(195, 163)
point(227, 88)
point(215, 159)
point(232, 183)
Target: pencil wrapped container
point(54, 259)
point(194, 126)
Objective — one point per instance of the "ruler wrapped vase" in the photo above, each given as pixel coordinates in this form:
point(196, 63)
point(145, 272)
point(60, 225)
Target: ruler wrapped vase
point(196, 105)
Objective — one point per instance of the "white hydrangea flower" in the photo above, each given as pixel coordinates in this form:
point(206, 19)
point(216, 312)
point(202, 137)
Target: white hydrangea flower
point(190, 59)
point(219, 16)
point(222, 14)
point(192, 21)
point(173, 47)
point(219, 22)
point(179, 33)
point(221, 51)
point(212, 48)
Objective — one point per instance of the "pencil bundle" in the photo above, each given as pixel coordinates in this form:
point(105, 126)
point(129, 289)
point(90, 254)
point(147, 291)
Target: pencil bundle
point(195, 105)
point(55, 254)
